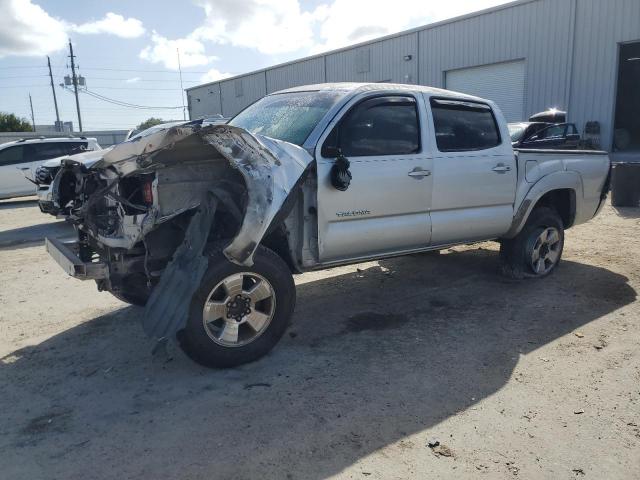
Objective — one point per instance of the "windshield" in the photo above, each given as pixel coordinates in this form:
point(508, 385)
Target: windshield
point(290, 117)
point(516, 130)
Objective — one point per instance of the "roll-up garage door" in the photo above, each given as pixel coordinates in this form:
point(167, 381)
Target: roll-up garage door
point(501, 82)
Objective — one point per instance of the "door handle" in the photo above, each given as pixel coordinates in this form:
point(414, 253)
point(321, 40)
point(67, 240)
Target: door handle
point(23, 168)
point(501, 168)
point(419, 173)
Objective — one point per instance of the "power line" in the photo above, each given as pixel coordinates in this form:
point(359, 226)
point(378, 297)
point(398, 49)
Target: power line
point(139, 70)
point(166, 70)
point(124, 104)
point(23, 76)
point(138, 80)
point(20, 66)
point(22, 86)
point(129, 88)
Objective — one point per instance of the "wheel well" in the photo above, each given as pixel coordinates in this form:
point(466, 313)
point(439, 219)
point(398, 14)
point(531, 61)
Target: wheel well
point(564, 202)
point(278, 242)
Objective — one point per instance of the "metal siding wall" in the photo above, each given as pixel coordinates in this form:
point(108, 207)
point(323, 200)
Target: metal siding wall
point(301, 73)
point(600, 26)
point(386, 62)
point(253, 88)
point(536, 32)
point(209, 101)
point(573, 69)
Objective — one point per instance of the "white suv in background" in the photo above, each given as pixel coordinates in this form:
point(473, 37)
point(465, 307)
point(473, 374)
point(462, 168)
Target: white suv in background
point(20, 159)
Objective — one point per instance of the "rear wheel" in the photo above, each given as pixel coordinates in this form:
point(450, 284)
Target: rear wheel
point(536, 251)
point(238, 314)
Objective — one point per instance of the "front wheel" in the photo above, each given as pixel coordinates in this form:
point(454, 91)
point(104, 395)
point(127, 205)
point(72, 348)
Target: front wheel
point(536, 251)
point(238, 314)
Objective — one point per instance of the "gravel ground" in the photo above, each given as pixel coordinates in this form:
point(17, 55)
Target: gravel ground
point(535, 379)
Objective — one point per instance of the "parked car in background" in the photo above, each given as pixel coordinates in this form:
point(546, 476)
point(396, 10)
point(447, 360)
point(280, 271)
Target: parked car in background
point(205, 224)
point(534, 135)
point(20, 159)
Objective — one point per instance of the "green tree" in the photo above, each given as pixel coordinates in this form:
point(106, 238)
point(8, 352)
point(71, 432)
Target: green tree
point(149, 122)
point(11, 123)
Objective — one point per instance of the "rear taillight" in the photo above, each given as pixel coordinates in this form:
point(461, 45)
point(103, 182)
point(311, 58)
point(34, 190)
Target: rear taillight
point(147, 192)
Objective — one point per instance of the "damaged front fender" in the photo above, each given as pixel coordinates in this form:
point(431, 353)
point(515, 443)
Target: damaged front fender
point(270, 169)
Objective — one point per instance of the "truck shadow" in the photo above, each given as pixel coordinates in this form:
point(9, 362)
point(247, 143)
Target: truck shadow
point(371, 357)
point(627, 212)
point(34, 234)
point(24, 202)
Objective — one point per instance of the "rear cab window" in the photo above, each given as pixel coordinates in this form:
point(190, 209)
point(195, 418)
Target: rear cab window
point(462, 125)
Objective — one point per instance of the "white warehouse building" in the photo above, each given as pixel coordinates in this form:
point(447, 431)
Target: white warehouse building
point(582, 56)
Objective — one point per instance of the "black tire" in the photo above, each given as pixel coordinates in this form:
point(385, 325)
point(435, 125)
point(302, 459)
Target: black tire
point(195, 341)
point(133, 290)
point(515, 253)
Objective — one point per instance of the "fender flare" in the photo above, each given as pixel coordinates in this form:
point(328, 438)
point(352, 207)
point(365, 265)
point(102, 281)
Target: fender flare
point(554, 181)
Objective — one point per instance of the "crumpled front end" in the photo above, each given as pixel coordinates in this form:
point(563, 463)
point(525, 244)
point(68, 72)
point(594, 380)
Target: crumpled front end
point(142, 184)
point(151, 206)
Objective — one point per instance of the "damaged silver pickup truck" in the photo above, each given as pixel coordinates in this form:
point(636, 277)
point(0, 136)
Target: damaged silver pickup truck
point(204, 225)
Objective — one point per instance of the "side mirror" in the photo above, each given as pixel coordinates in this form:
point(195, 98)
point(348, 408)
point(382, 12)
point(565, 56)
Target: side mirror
point(340, 174)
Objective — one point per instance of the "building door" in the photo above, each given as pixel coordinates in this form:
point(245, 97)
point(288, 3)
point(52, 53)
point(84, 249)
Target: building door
point(626, 136)
point(501, 82)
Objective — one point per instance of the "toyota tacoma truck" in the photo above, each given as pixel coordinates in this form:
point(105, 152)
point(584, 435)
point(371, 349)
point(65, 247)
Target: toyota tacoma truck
point(205, 225)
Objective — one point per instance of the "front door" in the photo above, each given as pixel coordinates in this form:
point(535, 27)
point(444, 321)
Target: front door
point(474, 173)
point(385, 208)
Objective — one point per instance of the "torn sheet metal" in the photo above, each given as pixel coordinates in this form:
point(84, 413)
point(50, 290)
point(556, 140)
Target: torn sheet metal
point(168, 307)
point(270, 169)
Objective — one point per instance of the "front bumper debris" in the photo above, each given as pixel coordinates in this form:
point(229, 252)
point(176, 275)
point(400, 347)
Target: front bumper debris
point(66, 255)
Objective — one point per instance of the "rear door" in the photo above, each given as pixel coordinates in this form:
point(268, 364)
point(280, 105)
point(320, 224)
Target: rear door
point(385, 209)
point(474, 172)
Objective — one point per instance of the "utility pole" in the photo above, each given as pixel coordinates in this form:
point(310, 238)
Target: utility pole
point(74, 79)
point(55, 100)
point(184, 111)
point(33, 119)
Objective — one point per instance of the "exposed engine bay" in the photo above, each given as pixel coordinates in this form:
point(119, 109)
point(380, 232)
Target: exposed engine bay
point(134, 209)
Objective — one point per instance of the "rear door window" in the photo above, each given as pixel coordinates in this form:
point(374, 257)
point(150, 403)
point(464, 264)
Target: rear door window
point(45, 151)
point(376, 127)
point(464, 126)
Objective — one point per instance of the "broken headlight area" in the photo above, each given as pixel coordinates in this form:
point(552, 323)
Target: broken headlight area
point(45, 175)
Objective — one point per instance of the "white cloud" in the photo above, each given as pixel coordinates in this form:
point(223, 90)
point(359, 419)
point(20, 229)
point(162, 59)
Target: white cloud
point(268, 26)
point(165, 51)
point(132, 80)
point(345, 22)
point(213, 75)
point(113, 24)
point(276, 27)
point(26, 29)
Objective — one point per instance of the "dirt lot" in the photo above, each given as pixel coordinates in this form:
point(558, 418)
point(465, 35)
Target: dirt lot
point(535, 379)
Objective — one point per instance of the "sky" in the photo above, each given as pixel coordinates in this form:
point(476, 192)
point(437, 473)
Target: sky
point(128, 51)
